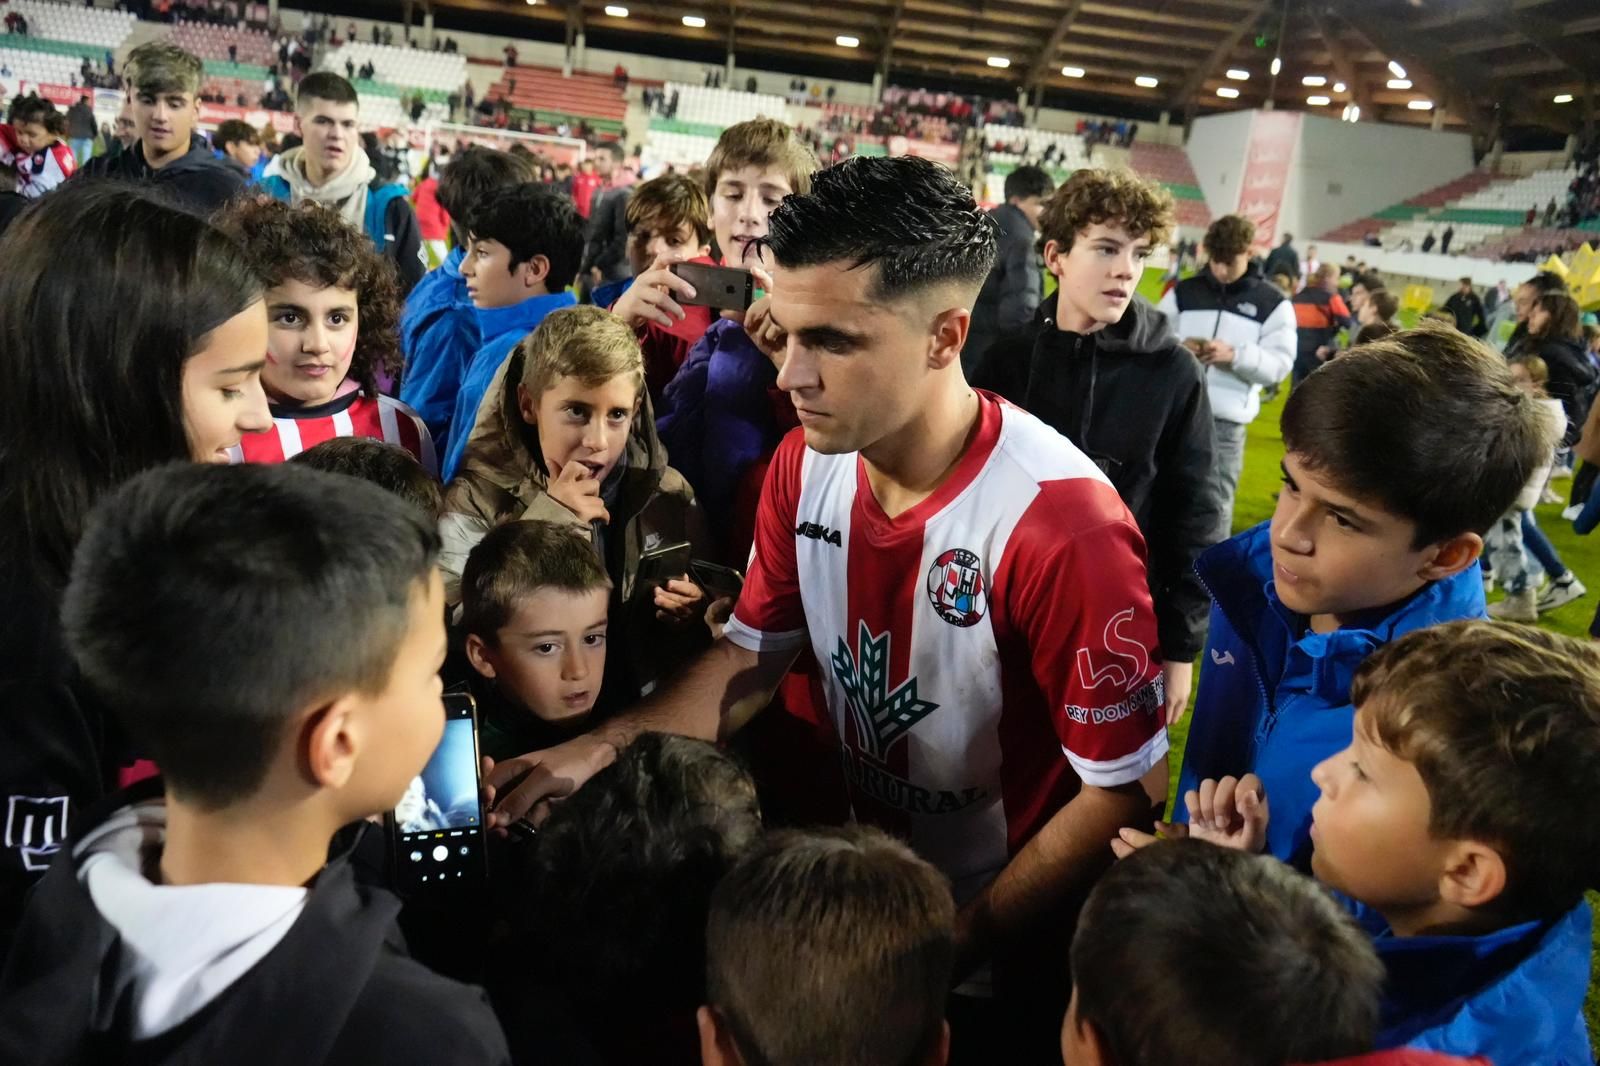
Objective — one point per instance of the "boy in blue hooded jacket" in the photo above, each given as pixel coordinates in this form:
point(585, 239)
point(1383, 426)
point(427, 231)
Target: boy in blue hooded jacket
point(1398, 457)
point(439, 327)
point(1461, 826)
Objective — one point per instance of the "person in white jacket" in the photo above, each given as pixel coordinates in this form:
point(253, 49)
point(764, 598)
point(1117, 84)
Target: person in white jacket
point(1243, 329)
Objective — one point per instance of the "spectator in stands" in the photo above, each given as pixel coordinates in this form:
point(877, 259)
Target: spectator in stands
point(1429, 241)
point(240, 143)
point(439, 327)
point(1444, 241)
point(605, 256)
point(1319, 316)
point(1112, 378)
point(1467, 308)
point(861, 978)
point(1283, 259)
point(333, 169)
point(80, 129)
point(164, 84)
point(525, 248)
point(1012, 291)
point(1242, 330)
point(1289, 977)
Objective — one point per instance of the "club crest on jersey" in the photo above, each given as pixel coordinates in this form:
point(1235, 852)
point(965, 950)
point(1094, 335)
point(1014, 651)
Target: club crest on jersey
point(881, 716)
point(956, 588)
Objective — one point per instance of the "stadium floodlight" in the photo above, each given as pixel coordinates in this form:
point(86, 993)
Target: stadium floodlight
point(1277, 65)
point(1227, 92)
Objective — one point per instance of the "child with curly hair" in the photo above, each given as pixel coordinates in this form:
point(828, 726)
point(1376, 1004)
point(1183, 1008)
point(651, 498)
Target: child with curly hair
point(333, 306)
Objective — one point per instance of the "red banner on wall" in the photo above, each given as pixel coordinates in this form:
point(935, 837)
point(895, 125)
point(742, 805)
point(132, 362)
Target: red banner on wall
point(1274, 136)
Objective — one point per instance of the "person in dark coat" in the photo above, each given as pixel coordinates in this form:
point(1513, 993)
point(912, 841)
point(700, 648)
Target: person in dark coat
point(1283, 259)
point(1465, 305)
point(1011, 292)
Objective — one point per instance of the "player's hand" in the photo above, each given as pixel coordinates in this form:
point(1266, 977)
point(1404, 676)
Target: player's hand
point(679, 601)
point(575, 487)
point(523, 787)
point(718, 614)
point(1323, 351)
point(650, 297)
point(1218, 353)
point(1231, 812)
point(1129, 840)
point(1178, 679)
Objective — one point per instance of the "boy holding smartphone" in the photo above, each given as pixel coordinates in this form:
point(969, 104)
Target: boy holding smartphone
point(207, 905)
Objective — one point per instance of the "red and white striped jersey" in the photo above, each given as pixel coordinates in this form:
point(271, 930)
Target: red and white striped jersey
point(982, 653)
point(37, 172)
point(354, 414)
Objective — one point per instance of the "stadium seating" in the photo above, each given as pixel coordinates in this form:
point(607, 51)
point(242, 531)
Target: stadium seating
point(50, 68)
point(1481, 208)
point(89, 26)
point(406, 68)
point(683, 150)
point(723, 107)
point(1169, 164)
point(211, 43)
point(556, 100)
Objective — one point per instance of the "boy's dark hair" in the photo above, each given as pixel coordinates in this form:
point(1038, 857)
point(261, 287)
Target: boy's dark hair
point(831, 946)
point(1374, 330)
point(473, 175)
point(235, 131)
point(208, 604)
point(520, 558)
point(1092, 197)
point(1029, 180)
point(1466, 281)
point(1386, 304)
point(1508, 747)
point(77, 305)
point(162, 67)
point(326, 85)
point(666, 203)
point(31, 108)
point(1427, 423)
point(619, 879)
point(908, 217)
point(761, 142)
point(1229, 237)
point(1566, 319)
point(314, 245)
point(388, 466)
point(1370, 280)
point(1187, 952)
point(530, 220)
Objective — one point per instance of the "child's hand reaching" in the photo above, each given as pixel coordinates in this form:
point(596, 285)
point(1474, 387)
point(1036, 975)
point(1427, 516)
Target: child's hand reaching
point(575, 487)
point(1231, 813)
point(679, 601)
point(718, 614)
point(650, 297)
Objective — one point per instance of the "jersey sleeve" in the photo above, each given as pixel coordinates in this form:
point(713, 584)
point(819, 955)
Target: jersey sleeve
point(1081, 602)
point(770, 615)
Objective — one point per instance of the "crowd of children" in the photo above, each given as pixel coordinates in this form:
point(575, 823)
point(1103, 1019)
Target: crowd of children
point(267, 493)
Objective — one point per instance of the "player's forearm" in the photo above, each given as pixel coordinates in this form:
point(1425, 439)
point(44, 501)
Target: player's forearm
point(710, 699)
point(1069, 852)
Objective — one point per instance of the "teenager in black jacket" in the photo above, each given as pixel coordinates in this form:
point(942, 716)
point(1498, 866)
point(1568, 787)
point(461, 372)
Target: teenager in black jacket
point(1100, 364)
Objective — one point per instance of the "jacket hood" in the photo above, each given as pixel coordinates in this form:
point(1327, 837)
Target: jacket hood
point(1141, 329)
point(1239, 574)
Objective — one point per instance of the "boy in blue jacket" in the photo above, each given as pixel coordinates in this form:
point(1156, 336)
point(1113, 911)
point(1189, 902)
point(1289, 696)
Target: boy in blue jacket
point(1399, 456)
point(439, 327)
point(1462, 826)
point(525, 244)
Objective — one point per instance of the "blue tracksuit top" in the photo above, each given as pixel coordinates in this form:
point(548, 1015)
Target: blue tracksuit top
point(439, 334)
point(1274, 697)
point(501, 328)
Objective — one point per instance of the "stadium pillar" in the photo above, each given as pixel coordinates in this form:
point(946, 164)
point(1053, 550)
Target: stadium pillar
point(272, 9)
point(877, 86)
point(427, 28)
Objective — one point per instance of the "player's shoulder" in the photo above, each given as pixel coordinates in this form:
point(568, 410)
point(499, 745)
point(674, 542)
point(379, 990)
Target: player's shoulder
point(1029, 449)
point(1068, 493)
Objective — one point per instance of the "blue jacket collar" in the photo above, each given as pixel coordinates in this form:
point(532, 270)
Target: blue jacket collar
point(496, 322)
point(452, 263)
point(1239, 574)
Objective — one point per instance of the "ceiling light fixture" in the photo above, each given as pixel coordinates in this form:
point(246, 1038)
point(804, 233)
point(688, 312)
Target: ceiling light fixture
point(1072, 72)
point(694, 22)
point(1228, 92)
point(1277, 65)
point(616, 12)
point(1239, 75)
point(1396, 69)
point(1314, 81)
point(1145, 81)
point(1398, 83)
point(1318, 101)
point(1338, 86)
point(1420, 105)
point(1564, 98)
point(846, 41)
point(1000, 62)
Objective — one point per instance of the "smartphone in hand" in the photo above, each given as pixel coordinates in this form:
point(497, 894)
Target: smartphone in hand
point(719, 287)
point(437, 833)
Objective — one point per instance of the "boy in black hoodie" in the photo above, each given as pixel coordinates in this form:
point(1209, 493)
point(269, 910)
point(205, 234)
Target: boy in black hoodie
point(271, 636)
point(1102, 367)
point(164, 97)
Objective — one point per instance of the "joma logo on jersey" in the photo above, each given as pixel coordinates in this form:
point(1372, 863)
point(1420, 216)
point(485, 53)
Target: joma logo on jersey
point(812, 531)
